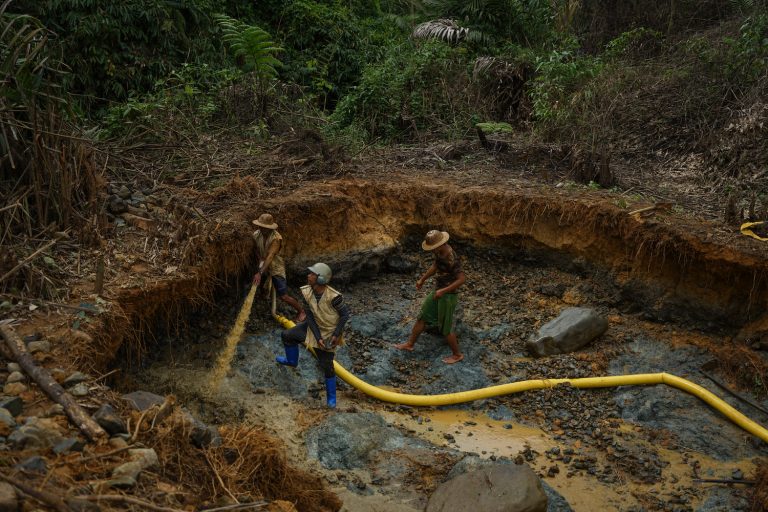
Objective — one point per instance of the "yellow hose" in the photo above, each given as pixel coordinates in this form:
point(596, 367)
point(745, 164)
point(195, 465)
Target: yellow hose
point(642, 379)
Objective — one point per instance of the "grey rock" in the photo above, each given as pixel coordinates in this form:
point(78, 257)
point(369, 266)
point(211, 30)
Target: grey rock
point(117, 205)
point(494, 488)
point(143, 400)
point(13, 367)
point(142, 459)
point(39, 346)
point(122, 482)
point(35, 464)
point(15, 377)
point(124, 192)
point(571, 330)
point(80, 389)
point(14, 388)
point(36, 433)
point(13, 404)
point(9, 501)
point(205, 435)
point(108, 419)
point(6, 418)
point(69, 444)
point(75, 378)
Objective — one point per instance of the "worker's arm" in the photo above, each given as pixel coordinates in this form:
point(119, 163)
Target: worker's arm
point(273, 248)
point(429, 273)
point(343, 310)
point(460, 278)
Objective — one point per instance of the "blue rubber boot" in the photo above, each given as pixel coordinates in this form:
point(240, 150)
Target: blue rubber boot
point(330, 391)
point(291, 356)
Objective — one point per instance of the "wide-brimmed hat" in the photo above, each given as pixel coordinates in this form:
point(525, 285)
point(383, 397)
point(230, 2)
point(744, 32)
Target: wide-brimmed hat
point(265, 220)
point(434, 239)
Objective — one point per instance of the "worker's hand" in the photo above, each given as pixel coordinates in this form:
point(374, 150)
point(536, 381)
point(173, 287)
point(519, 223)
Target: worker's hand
point(321, 342)
point(332, 342)
point(257, 279)
point(439, 293)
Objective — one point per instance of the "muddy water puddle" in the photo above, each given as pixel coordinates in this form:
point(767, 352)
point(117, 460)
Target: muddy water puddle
point(476, 433)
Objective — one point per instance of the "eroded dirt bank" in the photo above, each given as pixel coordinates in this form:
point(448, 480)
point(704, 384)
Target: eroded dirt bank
point(667, 265)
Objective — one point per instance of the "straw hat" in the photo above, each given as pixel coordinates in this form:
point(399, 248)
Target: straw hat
point(265, 220)
point(434, 239)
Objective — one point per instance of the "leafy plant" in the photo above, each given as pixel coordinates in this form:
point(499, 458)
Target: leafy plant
point(415, 89)
point(558, 74)
point(635, 43)
point(252, 47)
point(495, 127)
point(749, 52)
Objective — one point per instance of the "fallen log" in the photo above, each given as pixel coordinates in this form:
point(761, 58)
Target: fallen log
point(16, 349)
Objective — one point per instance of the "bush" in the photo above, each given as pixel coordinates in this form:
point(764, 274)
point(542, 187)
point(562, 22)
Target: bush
point(116, 48)
point(414, 89)
point(329, 45)
point(748, 56)
point(560, 73)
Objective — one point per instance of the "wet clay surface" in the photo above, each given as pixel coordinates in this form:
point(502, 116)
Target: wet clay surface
point(627, 448)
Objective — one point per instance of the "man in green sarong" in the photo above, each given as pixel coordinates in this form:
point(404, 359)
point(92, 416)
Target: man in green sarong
point(439, 308)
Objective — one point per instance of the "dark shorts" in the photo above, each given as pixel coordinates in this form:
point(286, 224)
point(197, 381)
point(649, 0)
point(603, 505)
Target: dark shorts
point(280, 284)
point(440, 313)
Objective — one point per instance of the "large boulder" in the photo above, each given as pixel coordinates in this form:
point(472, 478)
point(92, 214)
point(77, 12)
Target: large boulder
point(574, 328)
point(497, 488)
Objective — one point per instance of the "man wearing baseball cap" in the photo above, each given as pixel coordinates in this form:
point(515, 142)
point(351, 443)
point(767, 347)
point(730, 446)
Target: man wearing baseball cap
point(439, 308)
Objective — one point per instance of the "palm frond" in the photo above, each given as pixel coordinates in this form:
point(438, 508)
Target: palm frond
point(442, 29)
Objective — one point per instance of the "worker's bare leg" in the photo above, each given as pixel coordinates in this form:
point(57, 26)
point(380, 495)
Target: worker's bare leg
point(453, 342)
point(418, 328)
point(300, 315)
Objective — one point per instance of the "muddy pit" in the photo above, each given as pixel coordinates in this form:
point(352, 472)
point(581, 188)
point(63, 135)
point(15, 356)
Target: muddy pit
point(672, 303)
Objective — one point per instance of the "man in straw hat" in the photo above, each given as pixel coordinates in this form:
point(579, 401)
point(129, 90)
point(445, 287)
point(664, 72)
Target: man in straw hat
point(439, 308)
point(269, 244)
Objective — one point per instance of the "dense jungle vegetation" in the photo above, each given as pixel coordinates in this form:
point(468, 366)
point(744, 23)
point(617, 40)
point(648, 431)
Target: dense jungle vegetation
point(640, 74)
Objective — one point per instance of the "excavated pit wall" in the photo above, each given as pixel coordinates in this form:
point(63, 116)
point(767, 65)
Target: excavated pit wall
point(658, 263)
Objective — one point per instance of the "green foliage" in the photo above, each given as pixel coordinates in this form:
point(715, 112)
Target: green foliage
point(635, 43)
point(748, 56)
point(252, 47)
point(191, 93)
point(328, 46)
point(560, 73)
point(114, 48)
point(495, 127)
point(493, 21)
point(413, 89)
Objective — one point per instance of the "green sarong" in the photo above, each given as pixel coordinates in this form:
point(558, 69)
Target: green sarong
point(439, 313)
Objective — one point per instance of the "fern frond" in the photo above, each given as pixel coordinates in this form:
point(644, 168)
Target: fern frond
point(252, 45)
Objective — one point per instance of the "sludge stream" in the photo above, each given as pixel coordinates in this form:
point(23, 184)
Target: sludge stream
point(625, 448)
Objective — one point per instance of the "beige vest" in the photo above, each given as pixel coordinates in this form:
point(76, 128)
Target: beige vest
point(277, 266)
point(325, 315)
